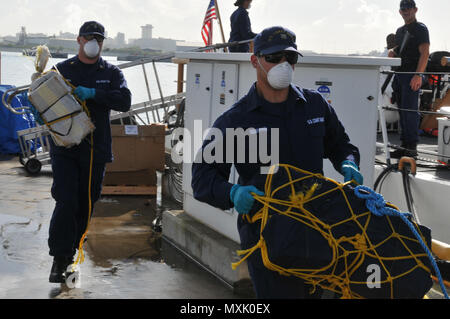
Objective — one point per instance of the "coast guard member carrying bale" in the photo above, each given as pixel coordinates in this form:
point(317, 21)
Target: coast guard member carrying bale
point(309, 131)
point(78, 171)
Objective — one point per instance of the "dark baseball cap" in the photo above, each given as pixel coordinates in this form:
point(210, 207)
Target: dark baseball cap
point(92, 28)
point(407, 4)
point(275, 39)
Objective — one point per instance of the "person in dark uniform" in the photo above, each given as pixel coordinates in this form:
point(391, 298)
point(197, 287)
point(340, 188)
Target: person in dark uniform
point(390, 41)
point(309, 131)
point(104, 88)
point(240, 26)
point(413, 47)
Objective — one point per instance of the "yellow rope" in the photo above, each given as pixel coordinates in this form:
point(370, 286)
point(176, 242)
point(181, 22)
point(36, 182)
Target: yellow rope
point(326, 276)
point(80, 257)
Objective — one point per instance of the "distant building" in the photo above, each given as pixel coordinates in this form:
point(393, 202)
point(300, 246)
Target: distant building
point(147, 42)
point(147, 31)
point(159, 44)
point(71, 44)
point(37, 40)
point(187, 46)
point(22, 35)
point(120, 39)
point(115, 43)
point(10, 39)
point(66, 35)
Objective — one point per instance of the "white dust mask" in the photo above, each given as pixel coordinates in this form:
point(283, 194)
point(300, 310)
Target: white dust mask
point(280, 76)
point(91, 48)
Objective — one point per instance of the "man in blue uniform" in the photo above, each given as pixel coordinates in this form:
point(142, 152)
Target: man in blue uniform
point(104, 88)
point(309, 131)
point(413, 47)
point(241, 29)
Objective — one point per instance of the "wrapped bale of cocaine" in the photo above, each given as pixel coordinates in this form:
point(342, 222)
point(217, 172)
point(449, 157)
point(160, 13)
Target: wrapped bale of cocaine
point(67, 121)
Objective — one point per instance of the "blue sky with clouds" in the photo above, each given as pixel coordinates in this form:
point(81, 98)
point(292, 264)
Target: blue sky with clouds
point(325, 26)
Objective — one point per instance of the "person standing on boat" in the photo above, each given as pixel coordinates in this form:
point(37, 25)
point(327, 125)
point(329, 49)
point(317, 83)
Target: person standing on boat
point(241, 29)
point(413, 47)
point(103, 87)
point(309, 131)
point(390, 44)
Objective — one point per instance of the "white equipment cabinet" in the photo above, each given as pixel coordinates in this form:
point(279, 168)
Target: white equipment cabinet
point(444, 138)
point(215, 81)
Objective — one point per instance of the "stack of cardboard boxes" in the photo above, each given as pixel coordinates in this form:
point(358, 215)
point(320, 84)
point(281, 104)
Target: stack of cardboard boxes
point(138, 153)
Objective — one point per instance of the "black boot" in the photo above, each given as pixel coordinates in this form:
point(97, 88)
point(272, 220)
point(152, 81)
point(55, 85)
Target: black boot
point(412, 150)
point(399, 153)
point(60, 264)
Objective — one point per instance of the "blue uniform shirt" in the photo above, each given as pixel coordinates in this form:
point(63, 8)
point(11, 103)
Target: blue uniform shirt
point(418, 34)
point(111, 93)
point(240, 30)
point(309, 131)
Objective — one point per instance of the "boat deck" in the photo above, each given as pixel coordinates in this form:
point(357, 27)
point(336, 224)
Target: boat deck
point(425, 163)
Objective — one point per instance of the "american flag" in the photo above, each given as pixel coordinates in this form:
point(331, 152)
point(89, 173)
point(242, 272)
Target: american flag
point(207, 23)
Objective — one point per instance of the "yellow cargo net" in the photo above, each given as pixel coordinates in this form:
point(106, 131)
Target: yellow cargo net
point(328, 276)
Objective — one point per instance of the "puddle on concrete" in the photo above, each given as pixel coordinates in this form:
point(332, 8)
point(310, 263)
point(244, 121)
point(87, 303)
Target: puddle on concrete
point(121, 230)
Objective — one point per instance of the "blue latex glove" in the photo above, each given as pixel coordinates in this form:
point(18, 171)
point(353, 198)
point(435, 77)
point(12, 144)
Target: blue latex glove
point(84, 93)
point(350, 171)
point(242, 197)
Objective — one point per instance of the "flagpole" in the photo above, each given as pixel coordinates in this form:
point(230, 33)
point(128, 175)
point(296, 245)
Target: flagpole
point(220, 23)
point(210, 40)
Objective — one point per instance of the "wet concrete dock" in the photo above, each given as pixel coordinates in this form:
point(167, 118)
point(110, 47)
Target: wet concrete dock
point(125, 258)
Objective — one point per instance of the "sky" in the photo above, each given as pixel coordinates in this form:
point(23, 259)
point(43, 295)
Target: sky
point(323, 26)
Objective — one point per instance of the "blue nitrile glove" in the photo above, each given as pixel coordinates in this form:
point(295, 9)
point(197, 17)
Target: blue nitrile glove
point(242, 197)
point(350, 171)
point(84, 93)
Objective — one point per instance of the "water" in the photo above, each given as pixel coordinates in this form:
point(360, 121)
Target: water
point(17, 69)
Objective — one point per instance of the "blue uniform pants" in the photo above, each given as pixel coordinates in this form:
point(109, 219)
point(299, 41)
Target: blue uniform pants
point(269, 284)
point(245, 47)
point(70, 191)
point(409, 121)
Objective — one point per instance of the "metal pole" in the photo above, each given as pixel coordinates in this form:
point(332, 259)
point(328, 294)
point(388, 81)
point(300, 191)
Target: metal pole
point(180, 80)
point(220, 23)
point(169, 56)
point(385, 135)
point(149, 95)
point(160, 90)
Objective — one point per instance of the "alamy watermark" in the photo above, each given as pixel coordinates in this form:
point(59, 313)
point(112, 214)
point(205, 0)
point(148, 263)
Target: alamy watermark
point(231, 146)
point(374, 279)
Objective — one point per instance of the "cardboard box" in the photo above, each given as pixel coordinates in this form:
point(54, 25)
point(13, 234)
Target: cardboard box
point(430, 120)
point(137, 147)
point(138, 153)
point(134, 178)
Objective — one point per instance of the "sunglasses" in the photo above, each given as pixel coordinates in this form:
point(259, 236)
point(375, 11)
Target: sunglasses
point(404, 9)
point(90, 37)
point(291, 57)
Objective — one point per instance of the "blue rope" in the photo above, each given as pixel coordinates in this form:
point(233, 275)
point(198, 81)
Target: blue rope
point(377, 206)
